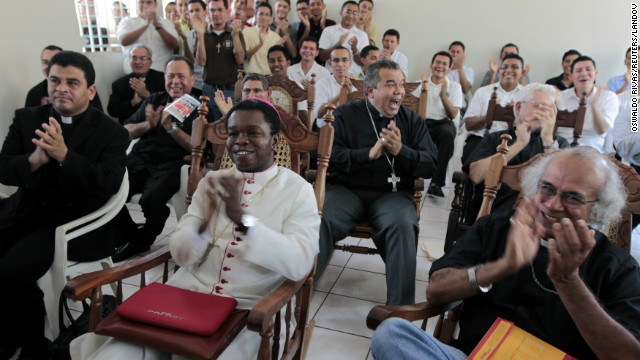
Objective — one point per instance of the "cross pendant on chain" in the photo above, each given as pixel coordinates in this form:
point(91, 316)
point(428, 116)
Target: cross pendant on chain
point(393, 179)
point(218, 46)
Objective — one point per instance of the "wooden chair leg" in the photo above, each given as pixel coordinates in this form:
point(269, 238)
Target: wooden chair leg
point(307, 337)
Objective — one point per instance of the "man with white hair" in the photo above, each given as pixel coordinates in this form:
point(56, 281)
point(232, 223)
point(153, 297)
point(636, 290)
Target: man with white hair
point(535, 113)
point(541, 267)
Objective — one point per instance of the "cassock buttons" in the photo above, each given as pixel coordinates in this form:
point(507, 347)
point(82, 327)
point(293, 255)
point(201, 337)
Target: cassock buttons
point(226, 268)
point(247, 192)
point(234, 243)
point(249, 181)
point(223, 281)
point(230, 255)
point(219, 289)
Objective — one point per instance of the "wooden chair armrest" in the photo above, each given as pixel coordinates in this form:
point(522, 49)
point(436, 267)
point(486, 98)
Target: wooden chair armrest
point(261, 316)
point(80, 287)
point(414, 312)
point(418, 184)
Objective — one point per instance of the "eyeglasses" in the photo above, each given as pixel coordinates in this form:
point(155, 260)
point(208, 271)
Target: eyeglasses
point(141, 58)
point(512, 67)
point(352, 12)
point(568, 199)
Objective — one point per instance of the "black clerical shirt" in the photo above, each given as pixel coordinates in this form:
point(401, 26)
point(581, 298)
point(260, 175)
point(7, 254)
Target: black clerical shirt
point(354, 137)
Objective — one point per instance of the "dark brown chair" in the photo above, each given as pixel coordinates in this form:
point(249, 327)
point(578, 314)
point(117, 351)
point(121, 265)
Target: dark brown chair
point(417, 104)
point(618, 232)
point(573, 119)
point(497, 112)
point(286, 94)
point(264, 317)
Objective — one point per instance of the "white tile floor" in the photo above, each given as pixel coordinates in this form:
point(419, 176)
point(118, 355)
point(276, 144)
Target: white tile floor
point(350, 285)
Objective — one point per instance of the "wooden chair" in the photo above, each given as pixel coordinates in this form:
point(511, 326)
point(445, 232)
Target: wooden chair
point(573, 119)
point(364, 230)
point(417, 104)
point(497, 112)
point(619, 233)
point(264, 317)
point(287, 94)
point(462, 214)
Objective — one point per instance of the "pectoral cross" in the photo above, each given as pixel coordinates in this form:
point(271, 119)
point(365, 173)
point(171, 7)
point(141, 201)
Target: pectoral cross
point(218, 46)
point(393, 180)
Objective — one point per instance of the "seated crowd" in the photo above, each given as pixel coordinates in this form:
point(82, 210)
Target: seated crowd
point(541, 265)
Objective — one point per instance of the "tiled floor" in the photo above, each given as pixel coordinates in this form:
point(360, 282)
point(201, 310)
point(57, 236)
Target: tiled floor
point(351, 285)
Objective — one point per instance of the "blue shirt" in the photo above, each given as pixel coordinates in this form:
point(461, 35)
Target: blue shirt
point(615, 83)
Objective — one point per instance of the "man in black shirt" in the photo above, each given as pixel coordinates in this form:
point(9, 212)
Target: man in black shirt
point(154, 162)
point(39, 95)
point(535, 112)
point(380, 146)
point(316, 23)
point(563, 81)
point(540, 267)
point(129, 91)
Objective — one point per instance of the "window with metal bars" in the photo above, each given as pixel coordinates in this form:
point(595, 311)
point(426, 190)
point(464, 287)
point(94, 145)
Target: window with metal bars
point(98, 22)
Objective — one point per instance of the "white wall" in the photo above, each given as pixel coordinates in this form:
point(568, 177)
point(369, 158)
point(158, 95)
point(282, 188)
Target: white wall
point(543, 30)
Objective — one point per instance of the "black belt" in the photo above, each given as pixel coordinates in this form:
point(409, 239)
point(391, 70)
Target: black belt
point(230, 86)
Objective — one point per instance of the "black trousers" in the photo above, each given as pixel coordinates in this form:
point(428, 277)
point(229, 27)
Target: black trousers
point(157, 188)
point(26, 253)
point(443, 134)
point(395, 228)
point(469, 145)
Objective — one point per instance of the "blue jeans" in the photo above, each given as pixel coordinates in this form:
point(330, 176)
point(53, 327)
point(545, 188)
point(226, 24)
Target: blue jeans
point(210, 91)
point(399, 339)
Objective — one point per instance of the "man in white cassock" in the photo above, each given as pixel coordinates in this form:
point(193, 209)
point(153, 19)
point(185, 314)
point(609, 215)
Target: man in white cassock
point(262, 220)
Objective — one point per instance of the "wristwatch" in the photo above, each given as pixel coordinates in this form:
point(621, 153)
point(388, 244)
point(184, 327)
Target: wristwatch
point(473, 281)
point(247, 222)
point(173, 129)
point(555, 145)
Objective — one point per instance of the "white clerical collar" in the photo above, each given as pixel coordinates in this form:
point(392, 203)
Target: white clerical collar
point(261, 176)
point(66, 119)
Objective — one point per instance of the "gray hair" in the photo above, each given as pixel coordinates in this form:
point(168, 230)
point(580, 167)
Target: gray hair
point(526, 93)
point(137, 46)
point(372, 78)
point(256, 77)
point(611, 197)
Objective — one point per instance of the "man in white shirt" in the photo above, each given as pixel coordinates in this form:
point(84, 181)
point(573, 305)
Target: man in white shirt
point(443, 103)
point(156, 33)
point(602, 104)
point(464, 77)
point(491, 76)
point(328, 88)
point(345, 34)
point(390, 43)
point(258, 40)
point(510, 73)
point(627, 142)
point(301, 72)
